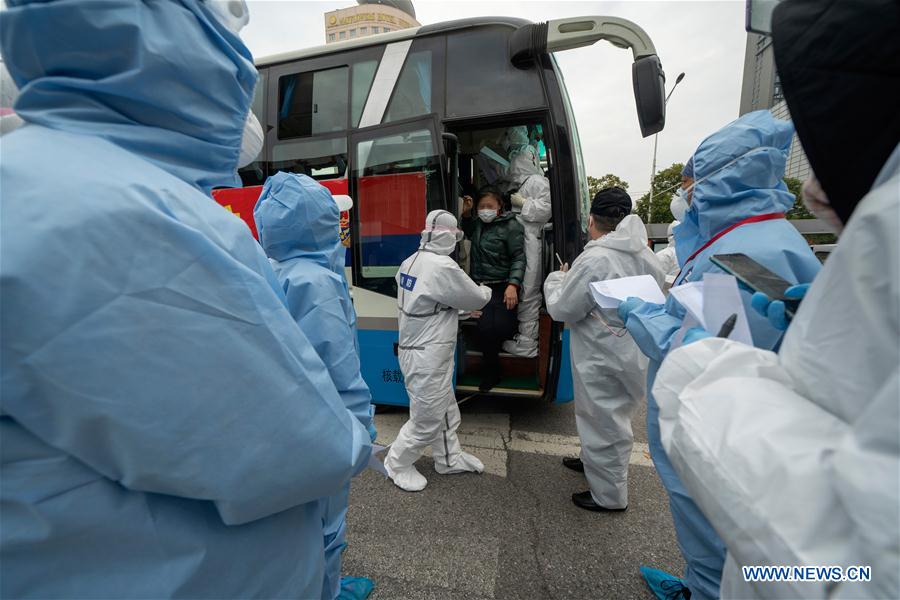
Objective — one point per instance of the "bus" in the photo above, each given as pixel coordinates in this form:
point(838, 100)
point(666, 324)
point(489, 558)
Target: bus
point(402, 122)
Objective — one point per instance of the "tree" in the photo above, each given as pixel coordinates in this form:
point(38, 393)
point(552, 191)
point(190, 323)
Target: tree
point(666, 184)
point(595, 184)
point(798, 211)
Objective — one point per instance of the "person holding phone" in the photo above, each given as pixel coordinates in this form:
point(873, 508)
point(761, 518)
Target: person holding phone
point(734, 200)
point(497, 257)
point(809, 472)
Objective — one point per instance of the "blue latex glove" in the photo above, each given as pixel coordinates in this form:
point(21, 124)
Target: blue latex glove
point(695, 334)
point(774, 310)
point(629, 306)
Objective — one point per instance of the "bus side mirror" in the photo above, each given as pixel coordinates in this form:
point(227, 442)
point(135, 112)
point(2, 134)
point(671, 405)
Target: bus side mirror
point(759, 16)
point(649, 83)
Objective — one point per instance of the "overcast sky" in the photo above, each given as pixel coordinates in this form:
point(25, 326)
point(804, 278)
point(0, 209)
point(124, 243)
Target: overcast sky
point(703, 39)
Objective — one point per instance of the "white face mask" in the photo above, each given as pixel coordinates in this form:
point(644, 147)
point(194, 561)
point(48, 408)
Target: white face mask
point(679, 205)
point(487, 215)
point(233, 14)
point(251, 141)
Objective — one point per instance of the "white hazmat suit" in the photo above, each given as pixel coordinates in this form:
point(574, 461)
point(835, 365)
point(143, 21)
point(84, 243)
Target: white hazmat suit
point(532, 202)
point(667, 258)
point(795, 457)
point(431, 289)
point(608, 370)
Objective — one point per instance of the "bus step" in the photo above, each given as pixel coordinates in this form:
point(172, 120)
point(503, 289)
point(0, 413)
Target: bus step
point(500, 391)
point(502, 355)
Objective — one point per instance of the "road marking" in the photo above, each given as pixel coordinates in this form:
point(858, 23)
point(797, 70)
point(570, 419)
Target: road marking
point(488, 436)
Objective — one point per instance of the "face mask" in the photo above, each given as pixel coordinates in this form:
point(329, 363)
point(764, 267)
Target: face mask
point(232, 14)
point(679, 205)
point(251, 141)
point(487, 215)
point(817, 203)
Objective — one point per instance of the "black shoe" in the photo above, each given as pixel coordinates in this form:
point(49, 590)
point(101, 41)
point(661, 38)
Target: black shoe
point(586, 501)
point(573, 463)
point(488, 381)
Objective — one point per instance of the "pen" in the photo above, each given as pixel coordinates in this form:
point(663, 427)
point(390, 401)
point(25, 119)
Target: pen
point(727, 326)
point(559, 259)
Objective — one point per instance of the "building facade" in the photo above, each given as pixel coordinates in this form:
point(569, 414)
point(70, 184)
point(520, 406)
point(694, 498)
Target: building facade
point(761, 90)
point(367, 19)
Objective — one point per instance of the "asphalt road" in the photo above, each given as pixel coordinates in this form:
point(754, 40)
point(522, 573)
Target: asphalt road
point(513, 531)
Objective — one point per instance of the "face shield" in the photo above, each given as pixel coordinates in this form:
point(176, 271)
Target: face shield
point(440, 223)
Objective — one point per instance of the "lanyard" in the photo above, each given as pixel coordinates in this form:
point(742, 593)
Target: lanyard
point(715, 238)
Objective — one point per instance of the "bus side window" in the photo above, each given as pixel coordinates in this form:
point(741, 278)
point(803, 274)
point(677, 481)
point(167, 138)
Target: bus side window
point(317, 157)
point(481, 80)
point(412, 95)
point(398, 182)
point(363, 74)
point(313, 103)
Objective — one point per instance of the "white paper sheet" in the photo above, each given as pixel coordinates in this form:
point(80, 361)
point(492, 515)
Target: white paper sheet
point(709, 303)
point(721, 299)
point(690, 296)
point(612, 292)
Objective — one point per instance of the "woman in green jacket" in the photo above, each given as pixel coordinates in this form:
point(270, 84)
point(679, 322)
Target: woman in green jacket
point(497, 261)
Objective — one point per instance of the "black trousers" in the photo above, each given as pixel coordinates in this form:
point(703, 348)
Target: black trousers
point(496, 325)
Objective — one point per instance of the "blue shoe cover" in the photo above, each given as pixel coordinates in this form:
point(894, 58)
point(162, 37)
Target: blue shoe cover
point(355, 588)
point(665, 586)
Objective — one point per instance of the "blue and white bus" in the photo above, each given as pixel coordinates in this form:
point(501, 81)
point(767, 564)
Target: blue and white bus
point(398, 121)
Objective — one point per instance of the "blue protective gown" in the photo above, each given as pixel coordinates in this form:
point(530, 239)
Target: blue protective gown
point(167, 429)
point(753, 150)
point(299, 228)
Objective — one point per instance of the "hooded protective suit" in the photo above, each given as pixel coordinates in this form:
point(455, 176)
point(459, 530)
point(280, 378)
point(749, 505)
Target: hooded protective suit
point(795, 456)
point(531, 201)
point(160, 406)
point(608, 370)
point(809, 473)
point(667, 258)
point(298, 223)
point(431, 289)
point(738, 173)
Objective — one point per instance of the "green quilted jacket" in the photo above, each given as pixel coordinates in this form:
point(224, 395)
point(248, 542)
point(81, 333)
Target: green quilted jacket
point(498, 249)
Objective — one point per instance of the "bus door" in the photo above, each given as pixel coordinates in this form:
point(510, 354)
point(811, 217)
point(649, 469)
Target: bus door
point(398, 174)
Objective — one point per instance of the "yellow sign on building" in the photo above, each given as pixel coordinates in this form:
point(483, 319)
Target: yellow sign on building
point(361, 21)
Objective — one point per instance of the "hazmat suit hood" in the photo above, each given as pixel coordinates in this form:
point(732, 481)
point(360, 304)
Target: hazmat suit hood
point(629, 236)
point(515, 140)
point(522, 166)
point(441, 233)
point(297, 218)
point(670, 231)
point(739, 173)
point(145, 96)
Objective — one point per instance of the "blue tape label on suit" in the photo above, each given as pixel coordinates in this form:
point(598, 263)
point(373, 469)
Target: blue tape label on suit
point(407, 282)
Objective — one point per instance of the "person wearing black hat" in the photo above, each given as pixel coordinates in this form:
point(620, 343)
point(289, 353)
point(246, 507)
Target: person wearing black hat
point(608, 370)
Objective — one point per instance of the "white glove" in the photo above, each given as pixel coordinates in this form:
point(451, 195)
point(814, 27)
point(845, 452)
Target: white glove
point(518, 200)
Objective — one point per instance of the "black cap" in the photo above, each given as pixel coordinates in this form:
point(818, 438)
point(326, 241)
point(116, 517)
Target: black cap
point(611, 202)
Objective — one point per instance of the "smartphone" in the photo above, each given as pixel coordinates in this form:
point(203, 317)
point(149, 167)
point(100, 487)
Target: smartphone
point(756, 277)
